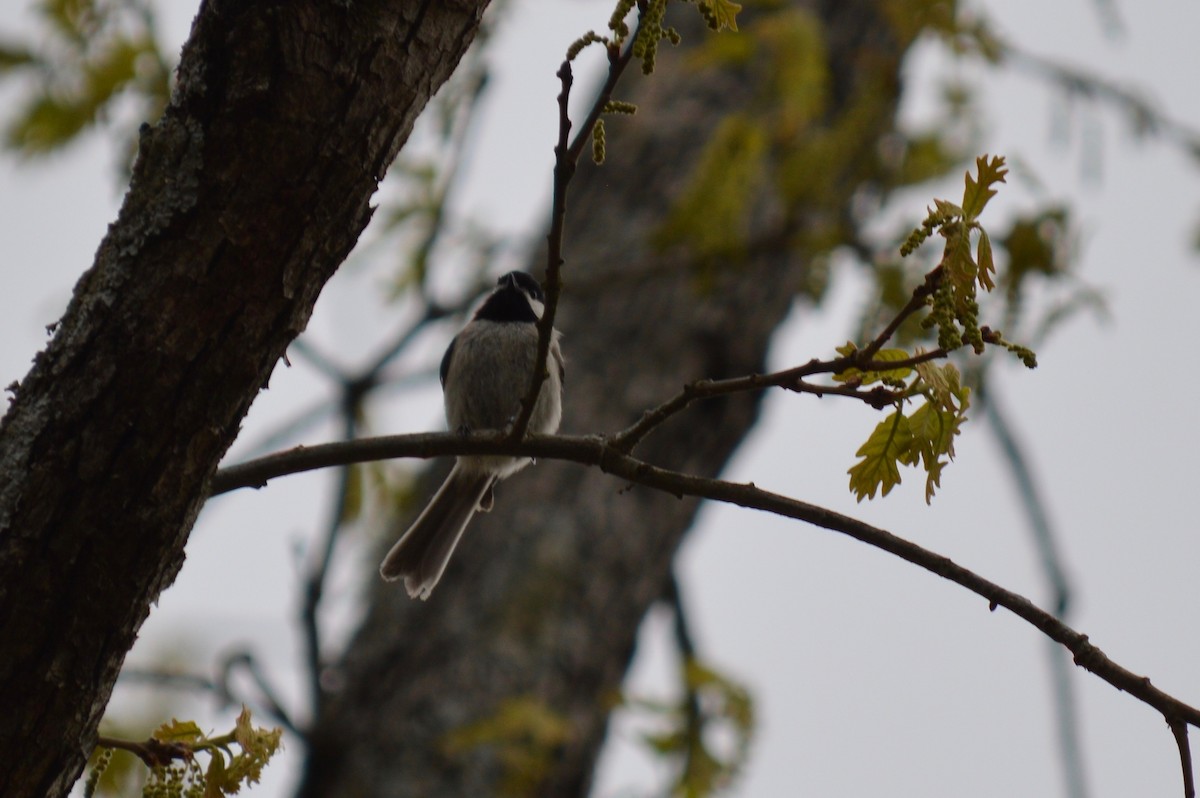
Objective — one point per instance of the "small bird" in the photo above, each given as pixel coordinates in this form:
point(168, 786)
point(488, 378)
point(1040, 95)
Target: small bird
point(485, 375)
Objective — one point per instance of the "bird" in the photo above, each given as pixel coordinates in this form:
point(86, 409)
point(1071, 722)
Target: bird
point(485, 374)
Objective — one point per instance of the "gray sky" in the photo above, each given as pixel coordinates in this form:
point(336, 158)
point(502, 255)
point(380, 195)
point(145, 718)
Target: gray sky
point(871, 677)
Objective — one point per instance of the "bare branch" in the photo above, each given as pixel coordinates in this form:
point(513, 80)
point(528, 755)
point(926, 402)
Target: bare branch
point(167, 679)
point(598, 452)
point(314, 582)
point(1143, 114)
point(1179, 729)
point(220, 687)
point(629, 437)
point(566, 156)
point(1038, 518)
point(154, 753)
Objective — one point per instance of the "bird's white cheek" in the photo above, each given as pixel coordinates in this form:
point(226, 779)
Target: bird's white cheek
point(537, 307)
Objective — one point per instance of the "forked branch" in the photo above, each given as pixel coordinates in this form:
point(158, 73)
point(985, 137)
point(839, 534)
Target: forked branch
point(566, 157)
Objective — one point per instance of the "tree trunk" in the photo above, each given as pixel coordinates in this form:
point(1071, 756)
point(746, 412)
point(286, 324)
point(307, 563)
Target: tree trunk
point(543, 600)
point(245, 198)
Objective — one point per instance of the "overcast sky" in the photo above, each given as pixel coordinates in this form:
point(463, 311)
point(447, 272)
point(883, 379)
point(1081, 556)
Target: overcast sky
point(871, 677)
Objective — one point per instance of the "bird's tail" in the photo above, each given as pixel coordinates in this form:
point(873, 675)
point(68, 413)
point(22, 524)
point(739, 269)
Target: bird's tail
point(420, 556)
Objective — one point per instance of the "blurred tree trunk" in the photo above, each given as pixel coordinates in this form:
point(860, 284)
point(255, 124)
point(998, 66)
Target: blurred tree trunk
point(245, 198)
point(544, 598)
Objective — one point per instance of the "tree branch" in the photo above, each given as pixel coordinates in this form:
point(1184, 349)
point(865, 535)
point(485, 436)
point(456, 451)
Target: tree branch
point(220, 687)
point(1179, 729)
point(598, 452)
point(566, 156)
point(154, 753)
point(1038, 517)
point(917, 301)
point(270, 703)
point(791, 379)
point(694, 717)
point(314, 582)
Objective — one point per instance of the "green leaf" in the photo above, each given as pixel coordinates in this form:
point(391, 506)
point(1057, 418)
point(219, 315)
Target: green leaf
point(56, 115)
point(944, 386)
point(893, 377)
point(878, 469)
point(926, 156)
point(74, 19)
point(736, 701)
point(978, 192)
point(258, 746)
point(959, 265)
point(216, 780)
point(525, 734)
point(946, 210)
point(711, 216)
point(793, 42)
point(46, 123)
point(178, 731)
point(1036, 243)
point(933, 432)
point(987, 266)
point(713, 707)
point(665, 743)
point(723, 14)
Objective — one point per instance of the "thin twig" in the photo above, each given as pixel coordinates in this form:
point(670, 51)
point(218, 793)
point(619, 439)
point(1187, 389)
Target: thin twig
point(167, 679)
point(1144, 114)
point(566, 157)
point(1179, 729)
point(270, 703)
point(305, 350)
point(917, 301)
point(1066, 708)
point(694, 718)
point(628, 438)
point(1031, 500)
point(368, 379)
point(791, 379)
point(314, 583)
point(154, 753)
point(432, 312)
point(878, 397)
point(290, 430)
point(598, 452)
point(221, 687)
point(436, 225)
point(1044, 541)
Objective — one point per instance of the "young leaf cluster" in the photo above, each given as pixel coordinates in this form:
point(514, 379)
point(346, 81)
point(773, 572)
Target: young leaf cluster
point(924, 437)
point(524, 733)
point(714, 708)
point(90, 54)
point(719, 14)
point(954, 304)
point(171, 754)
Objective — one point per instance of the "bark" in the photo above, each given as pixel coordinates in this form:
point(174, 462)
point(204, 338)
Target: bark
point(545, 595)
point(245, 198)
